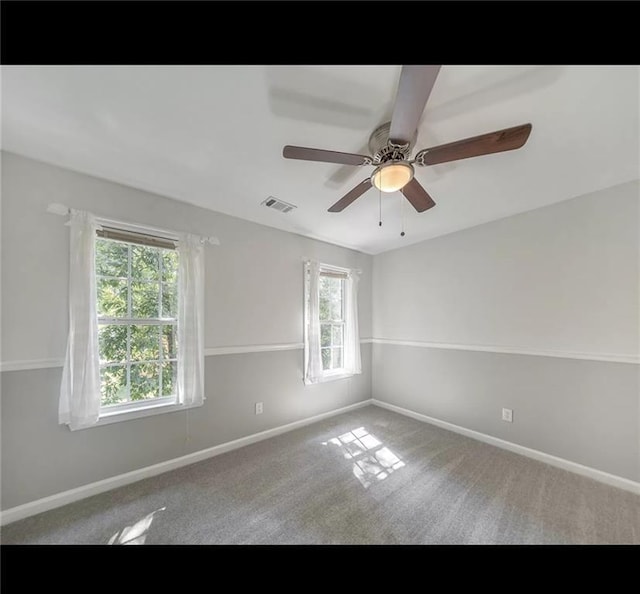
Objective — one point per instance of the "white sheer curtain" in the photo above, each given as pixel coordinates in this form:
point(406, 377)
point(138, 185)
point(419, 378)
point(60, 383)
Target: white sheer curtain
point(313, 358)
point(352, 361)
point(79, 405)
point(190, 320)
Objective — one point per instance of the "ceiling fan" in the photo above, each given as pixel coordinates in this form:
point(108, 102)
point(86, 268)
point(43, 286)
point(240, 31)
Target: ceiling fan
point(391, 143)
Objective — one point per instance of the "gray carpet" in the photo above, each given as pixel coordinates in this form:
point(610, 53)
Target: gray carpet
point(366, 477)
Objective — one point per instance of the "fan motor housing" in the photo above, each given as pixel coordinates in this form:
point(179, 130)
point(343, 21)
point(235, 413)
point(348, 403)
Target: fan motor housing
point(382, 150)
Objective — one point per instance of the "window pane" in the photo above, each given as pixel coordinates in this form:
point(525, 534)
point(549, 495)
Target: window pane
point(326, 359)
point(169, 266)
point(112, 258)
point(325, 335)
point(169, 341)
point(112, 298)
point(145, 298)
point(113, 384)
point(325, 309)
point(337, 358)
point(145, 343)
point(325, 287)
point(145, 380)
point(169, 374)
point(145, 262)
point(331, 298)
point(336, 310)
point(112, 341)
point(325, 297)
point(128, 278)
point(169, 300)
point(336, 290)
point(336, 334)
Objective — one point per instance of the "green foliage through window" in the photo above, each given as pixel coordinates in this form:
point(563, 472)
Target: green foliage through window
point(331, 321)
point(137, 290)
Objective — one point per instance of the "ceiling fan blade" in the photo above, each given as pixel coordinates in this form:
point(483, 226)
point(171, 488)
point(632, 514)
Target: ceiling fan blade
point(343, 173)
point(349, 197)
point(312, 154)
point(495, 142)
point(414, 89)
point(418, 196)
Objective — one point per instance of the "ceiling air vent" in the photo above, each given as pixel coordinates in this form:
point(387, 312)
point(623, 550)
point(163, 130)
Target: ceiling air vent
point(276, 204)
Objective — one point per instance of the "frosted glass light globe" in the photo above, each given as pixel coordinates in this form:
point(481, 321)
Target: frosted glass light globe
point(392, 176)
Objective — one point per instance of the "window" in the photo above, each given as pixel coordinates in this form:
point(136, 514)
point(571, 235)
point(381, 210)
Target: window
point(137, 309)
point(136, 316)
point(332, 322)
point(331, 336)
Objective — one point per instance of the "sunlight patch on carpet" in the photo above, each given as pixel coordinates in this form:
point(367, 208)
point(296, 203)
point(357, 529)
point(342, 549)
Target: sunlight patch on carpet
point(372, 460)
point(136, 533)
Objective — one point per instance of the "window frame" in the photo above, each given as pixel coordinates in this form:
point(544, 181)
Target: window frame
point(335, 322)
point(334, 271)
point(153, 238)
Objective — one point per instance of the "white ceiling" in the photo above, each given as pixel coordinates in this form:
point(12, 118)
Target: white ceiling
point(213, 136)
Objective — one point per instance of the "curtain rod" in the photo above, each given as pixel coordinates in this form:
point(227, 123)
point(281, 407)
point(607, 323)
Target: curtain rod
point(337, 268)
point(63, 210)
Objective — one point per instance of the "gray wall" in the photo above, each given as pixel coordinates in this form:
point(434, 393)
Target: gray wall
point(560, 278)
point(253, 279)
point(40, 457)
point(583, 411)
point(563, 278)
point(253, 296)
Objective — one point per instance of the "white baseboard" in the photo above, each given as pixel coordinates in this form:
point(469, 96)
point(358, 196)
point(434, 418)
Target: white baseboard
point(59, 499)
point(598, 475)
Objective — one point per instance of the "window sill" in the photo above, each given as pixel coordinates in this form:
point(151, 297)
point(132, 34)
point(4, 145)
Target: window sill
point(330, 377)
point(148, 410)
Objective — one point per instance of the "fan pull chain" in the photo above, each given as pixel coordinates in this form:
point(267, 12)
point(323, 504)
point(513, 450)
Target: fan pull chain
point(402, 215)
point(380, 207)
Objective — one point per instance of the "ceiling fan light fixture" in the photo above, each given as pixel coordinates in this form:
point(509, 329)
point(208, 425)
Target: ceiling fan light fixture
point(392, 176)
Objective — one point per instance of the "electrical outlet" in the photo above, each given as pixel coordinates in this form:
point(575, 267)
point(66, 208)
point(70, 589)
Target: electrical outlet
point(507, 415)
point(258, 408)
